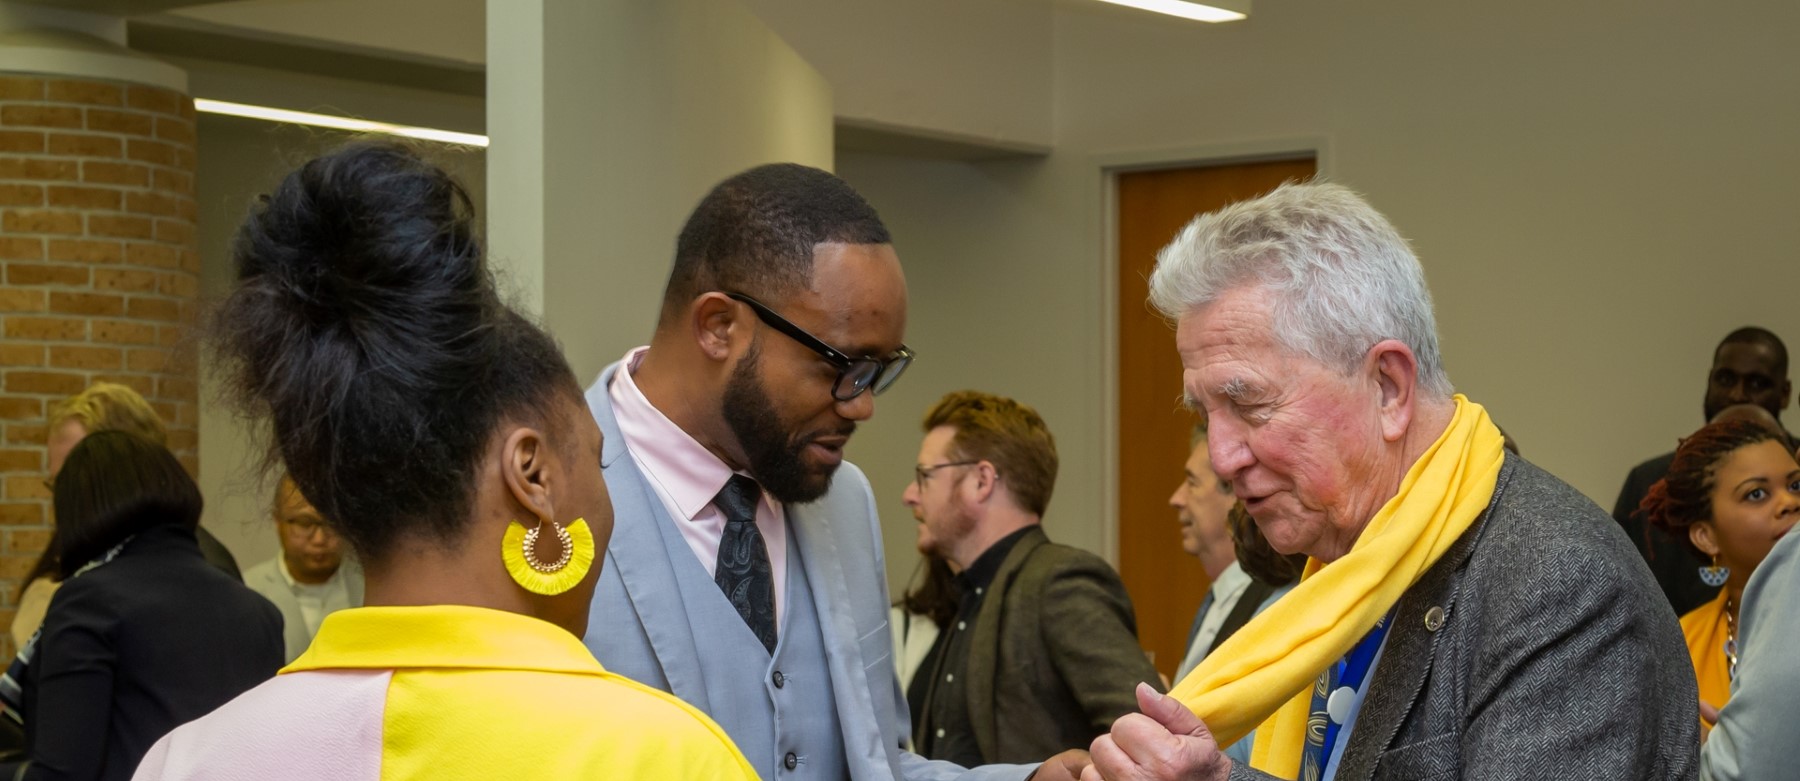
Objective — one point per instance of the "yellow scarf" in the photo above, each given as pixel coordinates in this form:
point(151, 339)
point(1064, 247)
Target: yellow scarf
point(1266, 670)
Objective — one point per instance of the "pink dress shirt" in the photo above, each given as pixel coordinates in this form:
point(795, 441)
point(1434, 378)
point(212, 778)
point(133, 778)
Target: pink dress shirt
point(686, 477)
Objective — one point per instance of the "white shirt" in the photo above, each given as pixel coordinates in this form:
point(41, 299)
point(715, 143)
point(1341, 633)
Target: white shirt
point(1224, 595)
point(310, 596)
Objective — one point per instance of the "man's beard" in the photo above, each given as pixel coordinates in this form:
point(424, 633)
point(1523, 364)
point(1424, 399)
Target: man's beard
point(774, 458)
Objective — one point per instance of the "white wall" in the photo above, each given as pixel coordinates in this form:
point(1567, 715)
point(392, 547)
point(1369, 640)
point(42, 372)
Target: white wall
point(240, 159)
point(1598, 191)
point(449, 30)
point(987, 310)
point(609, 134)
point(978, 70)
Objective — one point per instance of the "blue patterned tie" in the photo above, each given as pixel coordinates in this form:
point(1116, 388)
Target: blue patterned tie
point(743, 572)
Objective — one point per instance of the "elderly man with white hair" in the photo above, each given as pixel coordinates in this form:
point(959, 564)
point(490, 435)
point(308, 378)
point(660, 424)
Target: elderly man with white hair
point(1463, 614)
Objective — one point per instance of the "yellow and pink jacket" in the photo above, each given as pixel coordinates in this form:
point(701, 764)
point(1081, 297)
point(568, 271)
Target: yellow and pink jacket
point(446, 692)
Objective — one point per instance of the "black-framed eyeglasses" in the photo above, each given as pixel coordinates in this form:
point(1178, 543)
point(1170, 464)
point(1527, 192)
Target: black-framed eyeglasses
point(921, 473)
point(855, 375)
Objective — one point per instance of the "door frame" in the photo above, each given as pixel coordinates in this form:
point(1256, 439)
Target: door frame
point(1105, 169)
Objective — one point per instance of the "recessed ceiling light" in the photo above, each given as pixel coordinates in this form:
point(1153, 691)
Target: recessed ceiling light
point(1211, 11)
point(340, 123)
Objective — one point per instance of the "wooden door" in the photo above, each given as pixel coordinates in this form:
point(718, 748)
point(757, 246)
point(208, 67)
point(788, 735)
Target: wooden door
point(1166, 584)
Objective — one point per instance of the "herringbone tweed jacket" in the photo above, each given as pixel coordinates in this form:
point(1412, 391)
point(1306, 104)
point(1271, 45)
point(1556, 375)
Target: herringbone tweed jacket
point(1554, 656)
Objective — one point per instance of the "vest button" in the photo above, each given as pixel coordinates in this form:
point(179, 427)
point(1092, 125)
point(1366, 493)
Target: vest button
point(790, 761)
point(780, 680)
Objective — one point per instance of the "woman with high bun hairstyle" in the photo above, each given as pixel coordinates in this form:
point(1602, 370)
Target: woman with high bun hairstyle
point(445, 438)
point(1731, 492)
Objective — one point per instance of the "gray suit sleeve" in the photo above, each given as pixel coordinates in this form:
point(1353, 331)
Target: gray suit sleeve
point(1754, 737)
point(897, 723)
point(1566, 636)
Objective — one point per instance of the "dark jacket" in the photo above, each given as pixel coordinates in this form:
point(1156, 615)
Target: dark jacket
point(1673, 565)
point(136, 647)
point(1537, 647)
point(1054, 656)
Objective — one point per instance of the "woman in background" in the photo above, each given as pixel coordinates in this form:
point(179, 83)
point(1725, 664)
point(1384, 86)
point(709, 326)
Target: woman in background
point(445, 438)
point(917, 618)
point(1732, 490)
point(143, 634)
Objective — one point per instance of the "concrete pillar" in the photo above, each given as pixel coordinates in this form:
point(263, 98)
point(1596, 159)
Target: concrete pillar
point(609, 120)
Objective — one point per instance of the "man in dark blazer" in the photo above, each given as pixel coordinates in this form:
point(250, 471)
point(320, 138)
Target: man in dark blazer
point(1750, 366)
point(1491, 624)
point(1042, 655)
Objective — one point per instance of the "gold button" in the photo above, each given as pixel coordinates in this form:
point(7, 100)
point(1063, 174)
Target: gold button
point(1434, 619)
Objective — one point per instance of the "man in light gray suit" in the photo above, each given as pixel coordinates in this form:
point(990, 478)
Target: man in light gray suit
point(745, 572)
point(1469, 615)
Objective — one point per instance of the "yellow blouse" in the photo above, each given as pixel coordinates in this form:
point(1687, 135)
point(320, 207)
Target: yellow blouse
point(1706, 630)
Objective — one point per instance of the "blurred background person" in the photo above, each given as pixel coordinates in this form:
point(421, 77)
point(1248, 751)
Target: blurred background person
point(1732, 489)
point(918, 617)
point(310, 578)
point(1205, 506)
point(445, 437)
point(1042, 654)
point(103, 406)
point(1750, 366)
point(143, 635)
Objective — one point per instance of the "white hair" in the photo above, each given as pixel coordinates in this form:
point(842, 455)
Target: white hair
point(1341, 278)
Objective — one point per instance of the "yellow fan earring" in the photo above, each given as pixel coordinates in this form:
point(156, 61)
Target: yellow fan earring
point(519, 550)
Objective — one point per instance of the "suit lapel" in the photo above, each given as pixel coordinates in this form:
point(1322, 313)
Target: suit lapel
point(864, 745)
point(984, 643)
point(1241, 612)
point(639, 554)
point(1411, 647)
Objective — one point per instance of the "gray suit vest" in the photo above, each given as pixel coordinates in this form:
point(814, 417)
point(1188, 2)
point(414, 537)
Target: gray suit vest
point(792, 708)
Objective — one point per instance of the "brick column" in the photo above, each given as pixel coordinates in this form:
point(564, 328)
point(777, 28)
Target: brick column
point(101, 273)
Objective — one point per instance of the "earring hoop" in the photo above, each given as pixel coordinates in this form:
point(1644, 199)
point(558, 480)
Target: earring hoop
point(518, 551)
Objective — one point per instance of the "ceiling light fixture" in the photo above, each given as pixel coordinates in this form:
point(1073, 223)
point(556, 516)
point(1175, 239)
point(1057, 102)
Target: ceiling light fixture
point(339, 123)
point(1210, 11)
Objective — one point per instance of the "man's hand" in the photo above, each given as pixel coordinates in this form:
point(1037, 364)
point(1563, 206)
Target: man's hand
point(1066, 766)
point(1164, 743)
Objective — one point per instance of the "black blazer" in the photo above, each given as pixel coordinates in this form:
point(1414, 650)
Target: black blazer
point(135, 648)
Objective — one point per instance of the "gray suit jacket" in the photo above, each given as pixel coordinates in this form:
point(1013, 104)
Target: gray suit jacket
point(1053, 655)
point(266, 579)
point(1753, 739)
point(637, 628)
point(1557, 656)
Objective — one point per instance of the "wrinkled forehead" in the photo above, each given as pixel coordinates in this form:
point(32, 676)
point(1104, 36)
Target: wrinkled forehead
point(1233, 328)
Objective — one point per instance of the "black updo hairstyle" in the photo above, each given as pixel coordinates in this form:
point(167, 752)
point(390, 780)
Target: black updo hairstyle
point(366, 328)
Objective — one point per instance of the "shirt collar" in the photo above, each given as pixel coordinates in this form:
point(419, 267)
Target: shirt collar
point(689, 472)
point(443, 637)
point(294, 584)
point(1232, 580)
point(987, 565)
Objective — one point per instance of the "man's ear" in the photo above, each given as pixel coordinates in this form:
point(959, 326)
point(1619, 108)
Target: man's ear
point(714, 317)
point(1704, 537)
point(982, 480)
point(1395, 371)
point(525, 466)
